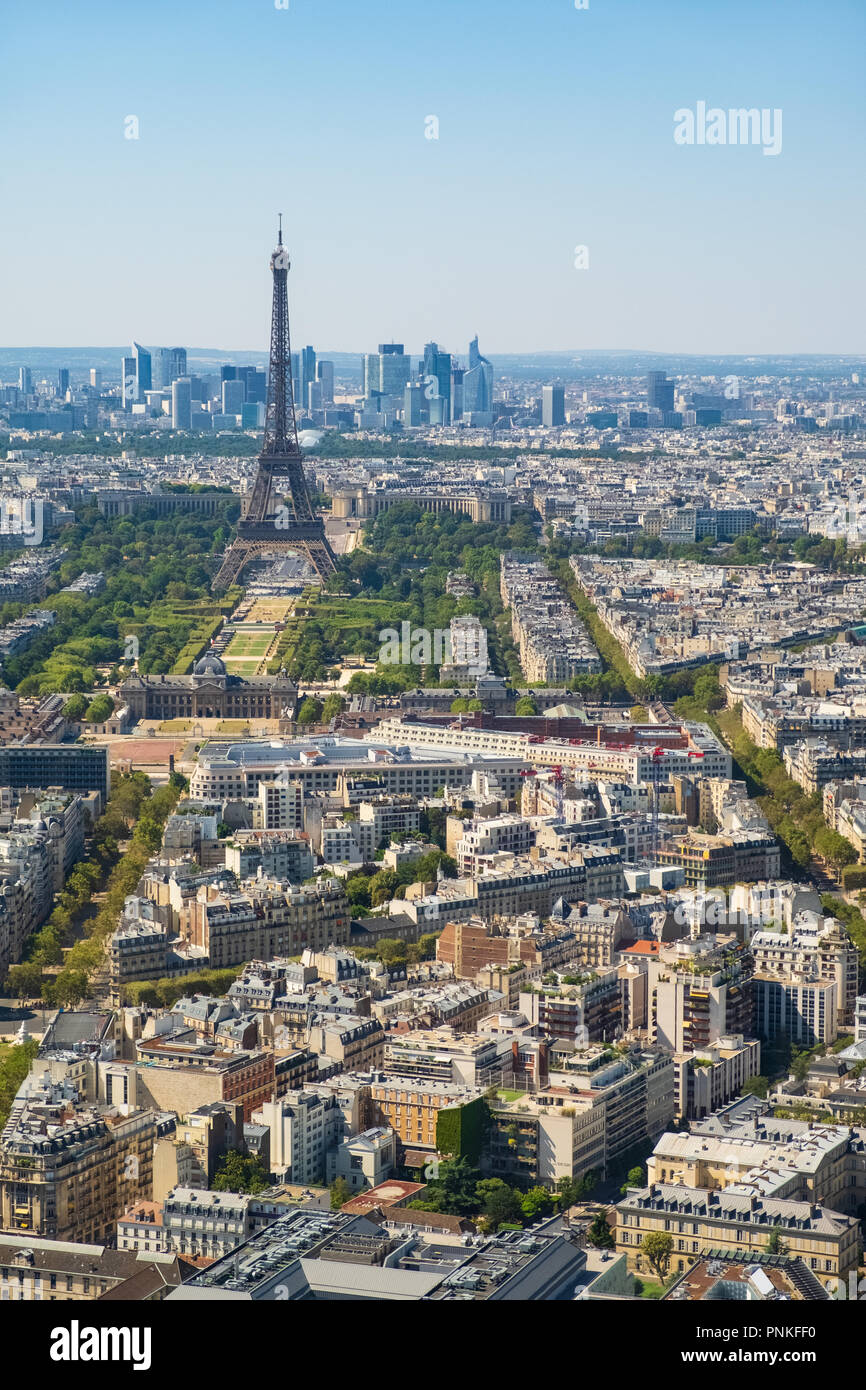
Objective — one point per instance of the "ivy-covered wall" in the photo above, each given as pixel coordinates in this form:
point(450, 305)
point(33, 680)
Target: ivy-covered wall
point(461, 1130)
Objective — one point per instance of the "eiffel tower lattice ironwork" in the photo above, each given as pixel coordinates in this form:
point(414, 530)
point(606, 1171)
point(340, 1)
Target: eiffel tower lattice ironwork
point(269, 527)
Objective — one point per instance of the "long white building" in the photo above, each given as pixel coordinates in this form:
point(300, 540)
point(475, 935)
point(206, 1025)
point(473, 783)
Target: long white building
point(228, 771)
point(704, 755)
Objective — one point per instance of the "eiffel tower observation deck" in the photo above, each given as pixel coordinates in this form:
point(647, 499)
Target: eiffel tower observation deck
point(279, 518)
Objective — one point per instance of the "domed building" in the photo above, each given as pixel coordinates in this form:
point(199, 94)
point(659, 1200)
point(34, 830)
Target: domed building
point(209, 665)
point(209, 693)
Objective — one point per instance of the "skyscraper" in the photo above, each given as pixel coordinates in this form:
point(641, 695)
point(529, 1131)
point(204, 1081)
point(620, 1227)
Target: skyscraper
point(386, 372)
point(233, 393)
point(394, 369)
point(143, 374)
point(458, 376)
point(257, 386)
point(96, 378)
point(325, 375)
point(478, 386)
point(660, 392)
point(308, 374)
point(552, 406)
point(25, 380)
point(128, 381)
point(168, 365)
point(181, 403)
point(370, 374)
point(437, 383)
point(255, 383)
point(413, 403)
point(160, 369)
point(177, 362)
point(63, 381)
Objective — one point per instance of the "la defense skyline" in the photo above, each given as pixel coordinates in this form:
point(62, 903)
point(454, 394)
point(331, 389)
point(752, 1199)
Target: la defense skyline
point(429, 388)
point(439, 391)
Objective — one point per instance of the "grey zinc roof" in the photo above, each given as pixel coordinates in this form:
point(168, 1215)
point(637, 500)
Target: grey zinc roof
point(334, 1278)
point(730, 1204)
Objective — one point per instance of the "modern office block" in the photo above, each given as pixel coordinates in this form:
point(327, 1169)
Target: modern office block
point(233, 394)
point(552, 406)
point(143, 371)
point(181, 403)
point(660, 392)
point(325, 376)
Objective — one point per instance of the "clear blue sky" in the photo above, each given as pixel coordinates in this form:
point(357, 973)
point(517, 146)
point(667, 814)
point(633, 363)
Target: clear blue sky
point(556, 129)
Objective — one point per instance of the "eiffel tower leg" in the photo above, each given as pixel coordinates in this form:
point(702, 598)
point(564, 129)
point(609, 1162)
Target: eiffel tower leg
point(320, 556)
point(260, 499)
point(234, 560)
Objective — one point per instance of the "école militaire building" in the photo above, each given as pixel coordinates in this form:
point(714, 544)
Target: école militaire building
point(209, 693)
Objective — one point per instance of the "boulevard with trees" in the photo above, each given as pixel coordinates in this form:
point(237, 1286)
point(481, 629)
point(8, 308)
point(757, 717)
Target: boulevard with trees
point(126, 835)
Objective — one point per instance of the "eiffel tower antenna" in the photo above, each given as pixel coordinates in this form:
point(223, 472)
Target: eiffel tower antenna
point(292, 526)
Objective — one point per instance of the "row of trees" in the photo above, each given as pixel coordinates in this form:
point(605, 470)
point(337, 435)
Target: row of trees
point(232, 444)
point(854, 922)
point(795, 817)
point(164, 993)
point(14, 1067)
point(116, 863)
point(695, 693)
point(617, 681)
point(400, 446)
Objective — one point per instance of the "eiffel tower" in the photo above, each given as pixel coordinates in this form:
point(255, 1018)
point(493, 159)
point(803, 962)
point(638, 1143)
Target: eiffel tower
point(291, 526)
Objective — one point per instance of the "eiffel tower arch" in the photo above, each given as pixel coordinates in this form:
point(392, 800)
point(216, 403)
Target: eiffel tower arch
point(269, 526)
